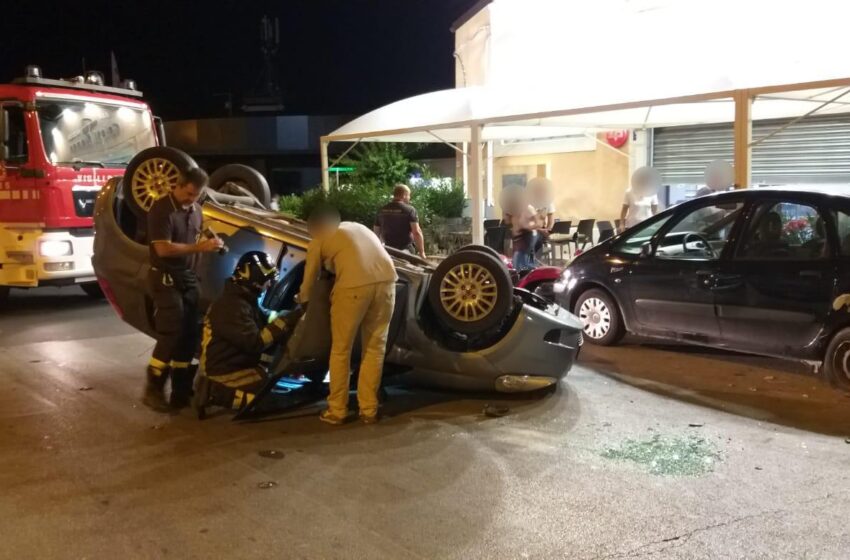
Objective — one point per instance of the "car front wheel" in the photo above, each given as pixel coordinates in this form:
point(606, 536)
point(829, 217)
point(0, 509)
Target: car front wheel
point(600, 316)
point(837, 360)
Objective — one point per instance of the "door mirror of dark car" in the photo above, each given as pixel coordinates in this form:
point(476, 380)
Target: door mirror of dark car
point(4, 134)
point(645, 250)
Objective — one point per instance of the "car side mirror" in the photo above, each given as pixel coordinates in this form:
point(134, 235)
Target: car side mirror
point(645, 250)
point(4, 135)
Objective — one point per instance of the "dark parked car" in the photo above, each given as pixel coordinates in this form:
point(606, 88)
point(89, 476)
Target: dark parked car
point(765, 271)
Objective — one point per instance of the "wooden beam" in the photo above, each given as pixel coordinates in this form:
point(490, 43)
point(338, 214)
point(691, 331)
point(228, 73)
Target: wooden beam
point(743, 137)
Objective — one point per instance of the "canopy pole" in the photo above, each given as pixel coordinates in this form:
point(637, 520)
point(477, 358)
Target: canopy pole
point(326, 179)
point(743, 138)
point(488, 199)
point(474, 154)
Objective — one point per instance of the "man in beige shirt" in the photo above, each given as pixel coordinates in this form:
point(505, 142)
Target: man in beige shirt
point(362, 301)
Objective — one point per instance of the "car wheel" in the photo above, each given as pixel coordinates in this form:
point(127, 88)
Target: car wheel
point(600, 316)
point(92, 289)
point(4, 294)
point(245, 177)
point(471, 292)
point(837, 360)
point(151, 174)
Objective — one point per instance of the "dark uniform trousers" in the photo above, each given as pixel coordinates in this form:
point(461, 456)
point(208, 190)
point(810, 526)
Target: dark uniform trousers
point(176, 318)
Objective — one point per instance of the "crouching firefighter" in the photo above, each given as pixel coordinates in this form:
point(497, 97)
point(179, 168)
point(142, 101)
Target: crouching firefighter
point(237, 331)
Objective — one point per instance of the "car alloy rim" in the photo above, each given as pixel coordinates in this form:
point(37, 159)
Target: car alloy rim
point(468, 292)
point(596, 317)
point(841, 359)
point(152, 180)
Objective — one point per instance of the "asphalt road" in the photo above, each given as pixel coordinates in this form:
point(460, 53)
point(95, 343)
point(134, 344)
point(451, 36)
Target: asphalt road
point(642, 452)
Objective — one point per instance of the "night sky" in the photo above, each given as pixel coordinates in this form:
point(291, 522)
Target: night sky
point(336, 56)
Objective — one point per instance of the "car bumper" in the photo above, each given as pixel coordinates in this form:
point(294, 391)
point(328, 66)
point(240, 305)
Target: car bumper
point(537, 352)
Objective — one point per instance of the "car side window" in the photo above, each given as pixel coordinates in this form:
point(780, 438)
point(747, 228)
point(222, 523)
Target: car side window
point(634, 241)
point(700, 234)
point(16, 134)
point(842, 222)
point(784, 231)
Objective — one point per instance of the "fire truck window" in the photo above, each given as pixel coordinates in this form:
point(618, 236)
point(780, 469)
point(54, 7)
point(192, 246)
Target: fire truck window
point(94, 133)
point(17, 134)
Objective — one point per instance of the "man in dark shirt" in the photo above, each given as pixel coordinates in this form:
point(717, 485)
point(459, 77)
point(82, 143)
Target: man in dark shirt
point(174, 228)
point(397, 223)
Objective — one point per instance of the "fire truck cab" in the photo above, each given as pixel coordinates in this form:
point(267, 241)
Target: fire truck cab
point(60, 141)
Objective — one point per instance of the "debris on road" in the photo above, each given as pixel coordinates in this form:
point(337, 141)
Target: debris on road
point(769, 377)
point(675, 456)
point(85, 388)
point(695, 425)
point(266, 485)
point(496, 410)
point(271, 454)
point(157, 426)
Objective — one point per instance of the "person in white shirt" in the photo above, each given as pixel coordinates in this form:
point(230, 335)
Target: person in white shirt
point(641, 199)
point(362, 302)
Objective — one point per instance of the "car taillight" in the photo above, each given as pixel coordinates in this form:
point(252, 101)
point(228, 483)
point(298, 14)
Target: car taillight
point(110, 296)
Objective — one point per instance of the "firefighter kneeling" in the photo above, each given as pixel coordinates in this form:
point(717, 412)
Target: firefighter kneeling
point(237, 330)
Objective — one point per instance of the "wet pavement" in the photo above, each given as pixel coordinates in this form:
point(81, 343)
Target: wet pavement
point(644, 451)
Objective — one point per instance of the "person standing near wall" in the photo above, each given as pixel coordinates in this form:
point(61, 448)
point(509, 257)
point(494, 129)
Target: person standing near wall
point(397, 224)
point(641, 199)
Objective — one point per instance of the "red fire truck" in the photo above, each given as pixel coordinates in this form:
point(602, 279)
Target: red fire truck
point(60, 141)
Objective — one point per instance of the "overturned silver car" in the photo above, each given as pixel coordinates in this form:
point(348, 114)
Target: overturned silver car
point(460, 325)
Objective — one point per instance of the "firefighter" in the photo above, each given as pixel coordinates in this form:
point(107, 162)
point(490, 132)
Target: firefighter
point(361, 302)
point(174, 231)
point(237, 331)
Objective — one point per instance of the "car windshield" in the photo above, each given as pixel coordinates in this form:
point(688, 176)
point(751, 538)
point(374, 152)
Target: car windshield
point(77, 132)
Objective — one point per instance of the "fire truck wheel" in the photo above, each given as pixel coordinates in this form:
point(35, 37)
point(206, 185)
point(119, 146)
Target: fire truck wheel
point(151, 174)
point(244, 176)
point(4, 294)
point(92, 289)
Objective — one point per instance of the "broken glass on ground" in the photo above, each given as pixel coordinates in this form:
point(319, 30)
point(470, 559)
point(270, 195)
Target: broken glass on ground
point(668, 455)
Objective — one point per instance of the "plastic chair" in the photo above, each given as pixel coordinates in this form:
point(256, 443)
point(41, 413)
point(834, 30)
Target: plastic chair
point(494, 237)
point(561, 228)
point(583, 234)
point(606, 230)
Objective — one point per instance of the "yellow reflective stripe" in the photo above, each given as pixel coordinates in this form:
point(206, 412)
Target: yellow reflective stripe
point(249, 398)
point(237, 399)
point(206, 337)
point(266, 358)
point(157, 364)
point(267, 336)
point(236, 375)
point(179, 365)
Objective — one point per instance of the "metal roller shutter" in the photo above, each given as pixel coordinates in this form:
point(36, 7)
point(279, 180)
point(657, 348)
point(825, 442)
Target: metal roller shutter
point(814, 150)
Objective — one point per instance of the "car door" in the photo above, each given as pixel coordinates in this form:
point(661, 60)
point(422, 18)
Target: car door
point(668, 286)
point(775, 292)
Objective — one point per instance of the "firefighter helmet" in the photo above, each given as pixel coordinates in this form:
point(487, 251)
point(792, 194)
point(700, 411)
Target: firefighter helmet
point(254, 269)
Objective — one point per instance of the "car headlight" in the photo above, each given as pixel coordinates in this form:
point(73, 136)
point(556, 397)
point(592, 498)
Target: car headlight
point(55, 248)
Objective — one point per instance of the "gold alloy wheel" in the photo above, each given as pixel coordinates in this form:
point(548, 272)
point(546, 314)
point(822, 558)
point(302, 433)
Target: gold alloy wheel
point(468, 292)
point(152, 180)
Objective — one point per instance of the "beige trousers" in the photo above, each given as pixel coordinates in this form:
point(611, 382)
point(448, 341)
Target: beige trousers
point(368, 310)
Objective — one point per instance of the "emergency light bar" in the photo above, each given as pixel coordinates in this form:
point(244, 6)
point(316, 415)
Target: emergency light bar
point(92, 81)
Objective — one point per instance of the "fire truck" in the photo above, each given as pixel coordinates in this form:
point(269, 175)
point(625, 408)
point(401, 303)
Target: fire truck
point(60, 141)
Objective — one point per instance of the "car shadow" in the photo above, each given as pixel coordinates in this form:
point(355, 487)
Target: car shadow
point(33, 302)
point(781, 392)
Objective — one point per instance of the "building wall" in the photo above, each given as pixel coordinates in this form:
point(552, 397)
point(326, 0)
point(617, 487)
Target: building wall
point(472, 50)
point(588, 184)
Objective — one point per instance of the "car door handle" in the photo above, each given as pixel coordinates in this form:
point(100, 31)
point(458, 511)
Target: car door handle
point(726, 282)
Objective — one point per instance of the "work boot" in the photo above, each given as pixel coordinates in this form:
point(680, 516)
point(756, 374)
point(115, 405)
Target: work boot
point(182, 380)
point(154, 397)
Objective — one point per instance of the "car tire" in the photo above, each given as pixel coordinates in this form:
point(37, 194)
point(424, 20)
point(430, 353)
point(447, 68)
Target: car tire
point(471, 292)
point(244, 176)
point(92, 289)
point(836, 362)
point(4, 294)
point(600, 315)
point(151, 174)
point(482, 249)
